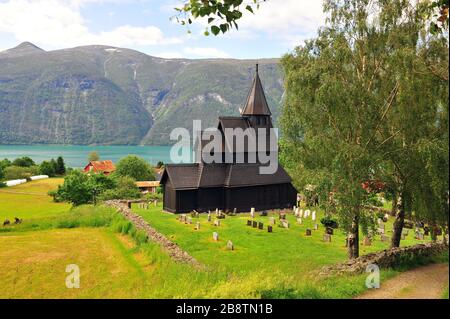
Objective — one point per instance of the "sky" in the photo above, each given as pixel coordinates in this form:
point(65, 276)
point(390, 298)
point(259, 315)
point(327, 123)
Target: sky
point(145, 25)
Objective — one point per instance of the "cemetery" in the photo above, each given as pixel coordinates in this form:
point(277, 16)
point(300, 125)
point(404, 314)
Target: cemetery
point(256, 240)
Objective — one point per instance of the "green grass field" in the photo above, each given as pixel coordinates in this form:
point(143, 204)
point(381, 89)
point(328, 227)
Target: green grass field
point(30, 200)
point(279, 250)
point(282, 264)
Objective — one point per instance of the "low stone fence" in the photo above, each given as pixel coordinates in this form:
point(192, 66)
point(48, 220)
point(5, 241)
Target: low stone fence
point(386, 258)
point(172, 249)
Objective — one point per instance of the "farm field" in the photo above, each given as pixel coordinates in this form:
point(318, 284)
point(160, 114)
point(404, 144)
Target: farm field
point(30, 200)
point(114, 264)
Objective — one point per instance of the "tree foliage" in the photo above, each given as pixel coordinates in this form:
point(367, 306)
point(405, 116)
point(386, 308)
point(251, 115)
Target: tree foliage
point(23, 162)
point(221, 15)
point(360, 100)
point(136, 168)
point(93, 156)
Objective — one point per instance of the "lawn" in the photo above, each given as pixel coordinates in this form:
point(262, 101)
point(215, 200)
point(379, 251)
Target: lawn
point(30, 200)
point(287, 250)
point(33, 265)
point(282, 264)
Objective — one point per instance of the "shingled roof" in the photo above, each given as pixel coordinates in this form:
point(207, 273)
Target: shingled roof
point(256, 100)
point(191, 176)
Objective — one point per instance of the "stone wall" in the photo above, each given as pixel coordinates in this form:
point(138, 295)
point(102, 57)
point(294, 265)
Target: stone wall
point(386, 258)
point(172, 249)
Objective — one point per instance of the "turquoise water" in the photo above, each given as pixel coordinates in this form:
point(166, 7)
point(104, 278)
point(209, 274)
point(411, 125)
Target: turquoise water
point(76, 155)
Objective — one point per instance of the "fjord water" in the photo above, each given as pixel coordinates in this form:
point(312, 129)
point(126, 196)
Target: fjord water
point(77, 155)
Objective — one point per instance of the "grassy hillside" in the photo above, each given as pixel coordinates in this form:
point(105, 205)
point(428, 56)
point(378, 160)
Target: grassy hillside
point(30, 200)
point(116, 261)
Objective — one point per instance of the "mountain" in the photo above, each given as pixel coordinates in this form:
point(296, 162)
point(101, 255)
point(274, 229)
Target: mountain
point(109, 95)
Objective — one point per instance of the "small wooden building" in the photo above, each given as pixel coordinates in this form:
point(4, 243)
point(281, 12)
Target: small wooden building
point(230, 186)
point(105, 167)
point(148, 186)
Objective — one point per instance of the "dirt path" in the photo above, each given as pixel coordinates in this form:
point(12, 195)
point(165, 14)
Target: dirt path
point(426, 282)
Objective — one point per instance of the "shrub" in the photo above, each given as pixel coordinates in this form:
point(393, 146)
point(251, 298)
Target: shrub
point(23, 162)
point(125, 188)
point(328, 221)
point(19, 172)
point(136, 168)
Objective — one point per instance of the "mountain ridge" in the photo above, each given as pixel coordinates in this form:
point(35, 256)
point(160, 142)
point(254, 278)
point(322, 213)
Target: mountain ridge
point(108, 95)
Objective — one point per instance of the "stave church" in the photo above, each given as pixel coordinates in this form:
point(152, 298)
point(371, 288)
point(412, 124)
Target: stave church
point(230, 185)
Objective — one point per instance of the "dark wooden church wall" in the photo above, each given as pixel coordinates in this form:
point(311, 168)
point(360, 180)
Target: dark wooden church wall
point(211, 198)
point(187, 200)
point(169, 198)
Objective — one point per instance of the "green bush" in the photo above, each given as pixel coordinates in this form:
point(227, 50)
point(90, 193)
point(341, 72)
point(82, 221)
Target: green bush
point(19, 172)
point(328, 221)
point(136, 168)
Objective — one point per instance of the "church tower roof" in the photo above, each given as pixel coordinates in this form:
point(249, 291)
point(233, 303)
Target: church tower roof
point(256, 100)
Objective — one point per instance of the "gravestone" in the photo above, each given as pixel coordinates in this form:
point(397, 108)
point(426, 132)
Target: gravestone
point(294, 209)
point(438, 231)
point(308, 232)
point(381, 230)
point(405, 231)
point(313, 217)
point(307, 213)
point(260, 225)
point(403, 236)
point(299, 221)
point(263, 213)
point(329, 230)
point(367, 241)
point(129, 204)
point(249, 222)
point(230, 245)
point(252, 212)
point(156, 202)
point(217, 211)
point(215, 236)
point(272, 221)
point(254, 224)
point(189, 220)
point(197, 226)
point(327, 238)
point(234, 211)
point(426, 231)
point(209, 217)
point(300, 213)
point(316, 226)
point(386, 217)
point(282, 215)
point(269, 229)
point(419, 236)
point(217, 222)
point(384, 238)
point(284, 223)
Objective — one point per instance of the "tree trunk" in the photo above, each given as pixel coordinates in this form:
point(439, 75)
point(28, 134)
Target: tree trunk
point(399, 221)
point(394, 204)
point(353, 239)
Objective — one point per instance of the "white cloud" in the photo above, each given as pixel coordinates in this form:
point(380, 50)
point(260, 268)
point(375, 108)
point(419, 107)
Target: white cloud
point(292, 21)
point(59, 23)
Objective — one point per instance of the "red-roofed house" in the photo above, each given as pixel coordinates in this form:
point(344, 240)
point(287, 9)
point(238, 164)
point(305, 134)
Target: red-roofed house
point(105, 167)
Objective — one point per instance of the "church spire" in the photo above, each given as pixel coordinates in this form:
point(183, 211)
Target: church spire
point(256, 100)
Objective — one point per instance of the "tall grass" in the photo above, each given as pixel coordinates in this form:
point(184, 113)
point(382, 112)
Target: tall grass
point(82, 216)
